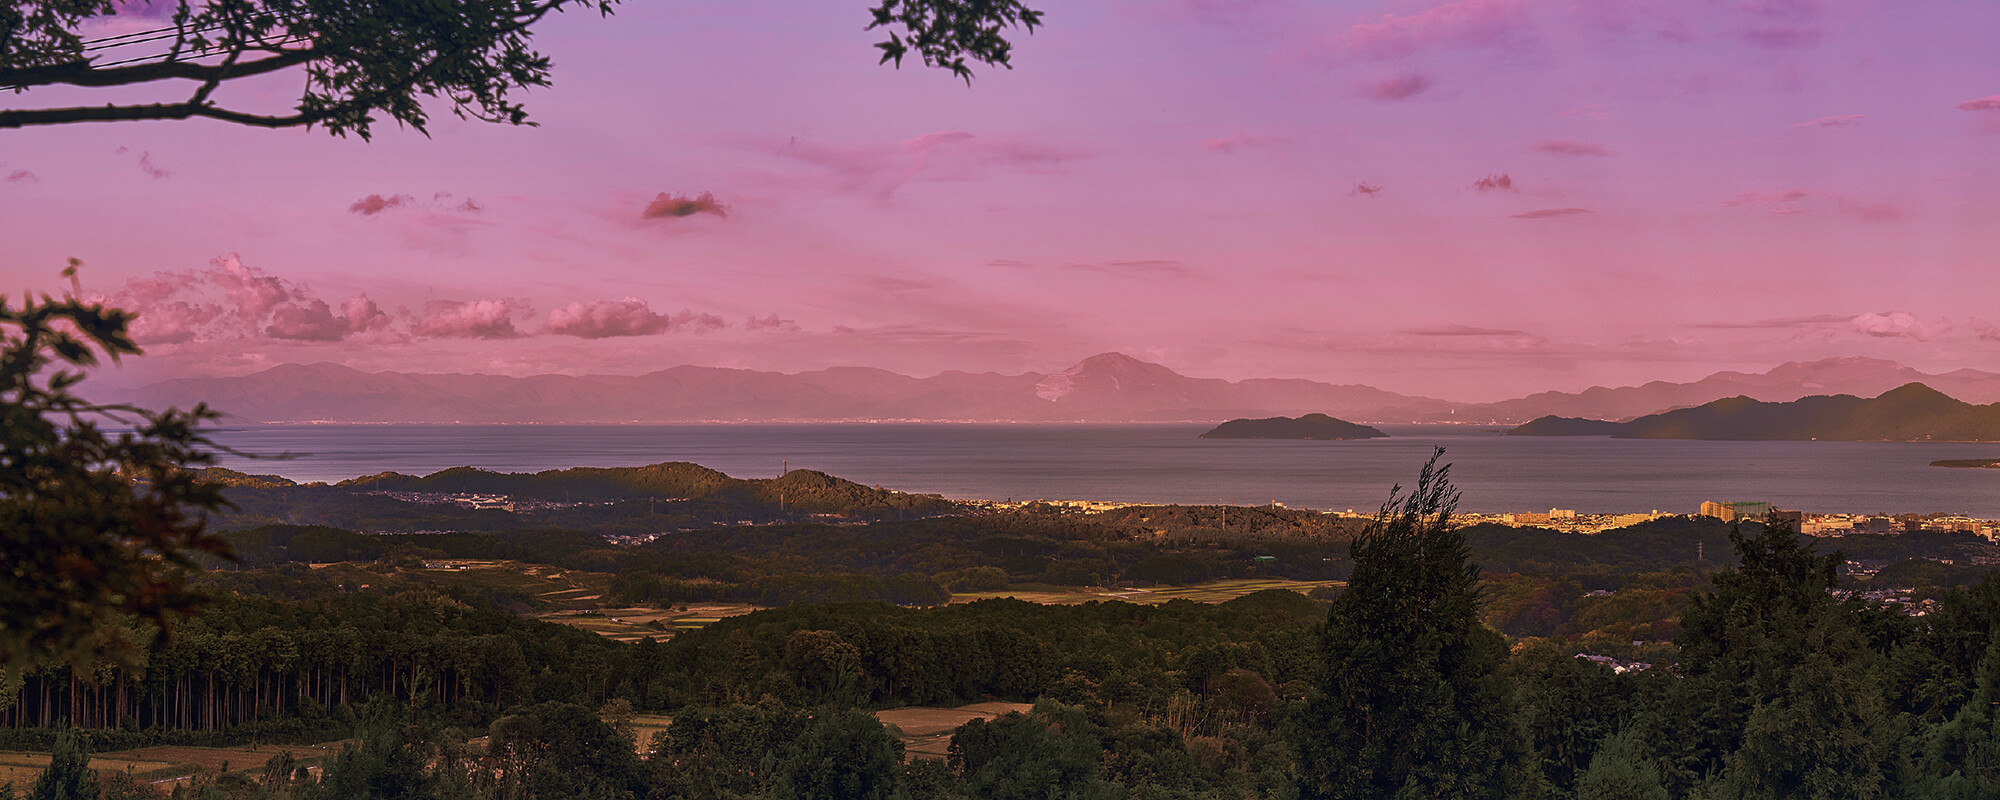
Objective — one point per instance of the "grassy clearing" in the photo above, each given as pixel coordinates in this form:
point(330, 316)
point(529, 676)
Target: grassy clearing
point(633, 624)
point(1214, 592)
point(926, 732)
point(165, 763)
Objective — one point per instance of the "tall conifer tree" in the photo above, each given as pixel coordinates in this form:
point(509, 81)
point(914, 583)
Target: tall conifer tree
point(1409, 704)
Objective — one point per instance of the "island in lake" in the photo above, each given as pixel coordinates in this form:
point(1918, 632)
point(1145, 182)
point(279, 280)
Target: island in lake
point(1910, 413)
point(1310, 426)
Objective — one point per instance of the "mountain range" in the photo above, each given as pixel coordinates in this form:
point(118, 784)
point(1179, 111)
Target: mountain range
point(1109, 387)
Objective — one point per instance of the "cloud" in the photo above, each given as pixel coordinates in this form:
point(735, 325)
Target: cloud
point(1785, 202)
point(770, 323)
point(603, 319)
point(1402, 87)
point(1230, 144)
point(937, 156)
point(680, 205)
point(1988, 332)
point(1366, 189)
point(1988, 103)
point(1594, 113)
point(1778, 24)
point(440, 201)
point(1843, 121)
point(250, 289)
point(1781, 322)
point(22, 176)
point(1463, 24)
point(1461, 330)
point(1898, 325)
point(1494, 183)
point(147, 166)
point(311, 321)
point(1552, 213)
point(229, 299)
point(1570, 147)
point(362, 315)
point(693, 322)
point(375, 204)
point(885, 283)
point(1147, 268)
point(1006, 262)
point(479, 319)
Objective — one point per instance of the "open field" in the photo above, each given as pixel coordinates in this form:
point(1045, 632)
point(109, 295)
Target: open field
point(633, 624)
point(926, 732)
point(163, 764)
point(1213, 592)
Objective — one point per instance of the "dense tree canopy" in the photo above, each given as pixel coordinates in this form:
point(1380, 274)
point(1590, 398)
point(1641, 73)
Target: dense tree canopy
point(363, 58)
point(96, 526)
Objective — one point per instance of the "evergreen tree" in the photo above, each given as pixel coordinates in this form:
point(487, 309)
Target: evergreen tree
point(68, 776)
point(1408, 703)
point(1621, 770)
point(1787, 691)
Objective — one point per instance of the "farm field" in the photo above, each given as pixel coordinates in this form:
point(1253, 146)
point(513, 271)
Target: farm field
point(1213, 592)
point(165, 764)
point(926, 732)
point(640, 622)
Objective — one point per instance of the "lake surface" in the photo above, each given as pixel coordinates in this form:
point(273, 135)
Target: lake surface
point(1166, 463)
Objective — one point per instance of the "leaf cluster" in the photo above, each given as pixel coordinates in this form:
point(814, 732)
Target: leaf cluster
point(945, 33)
point(99, 516)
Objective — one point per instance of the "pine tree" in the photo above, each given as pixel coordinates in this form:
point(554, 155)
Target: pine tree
point(68, 776)
point(1409, 702)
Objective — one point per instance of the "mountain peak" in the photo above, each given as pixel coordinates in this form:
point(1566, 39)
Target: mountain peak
point(1105, 372)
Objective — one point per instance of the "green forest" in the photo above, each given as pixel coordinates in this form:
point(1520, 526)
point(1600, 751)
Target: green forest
point(1455, 661)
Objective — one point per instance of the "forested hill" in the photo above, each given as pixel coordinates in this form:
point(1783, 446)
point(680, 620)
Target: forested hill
point(802, 489)
point(1310, 426)
point(1911, 413)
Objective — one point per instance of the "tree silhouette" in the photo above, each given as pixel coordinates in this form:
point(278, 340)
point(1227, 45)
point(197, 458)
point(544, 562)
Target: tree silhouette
point(96, 526)
point(1409, 701)
point(366, 57)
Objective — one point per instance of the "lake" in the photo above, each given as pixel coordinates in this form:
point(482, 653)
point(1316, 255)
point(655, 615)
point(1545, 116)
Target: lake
point(1166, 463)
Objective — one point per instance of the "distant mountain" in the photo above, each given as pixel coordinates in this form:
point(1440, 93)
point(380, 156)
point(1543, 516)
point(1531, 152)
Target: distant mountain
point(1566, 426)
point(1310, 426)
point(1909, 413)
point(1864, 377)
point(1110, 387)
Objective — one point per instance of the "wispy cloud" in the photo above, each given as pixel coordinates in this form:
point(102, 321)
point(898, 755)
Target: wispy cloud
point(1842, 121)
point(1785, 202)
point(1988, 103)
point(1899, 325)
point(1779, 323)
point(1241, 141)
point(1552, 213)
point(1462, 24)
point(937, 156)
point(1402, 87)
point(1569, 147)
point(1146, 268)
point(1366, 189)
point(771, 322)
point(22, 176)
point(1461, 330)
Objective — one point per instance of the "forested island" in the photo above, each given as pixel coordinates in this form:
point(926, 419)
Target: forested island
point(1310, 426)
point(1911, 413)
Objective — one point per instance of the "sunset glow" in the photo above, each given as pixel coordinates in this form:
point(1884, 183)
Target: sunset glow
point(1472, 200)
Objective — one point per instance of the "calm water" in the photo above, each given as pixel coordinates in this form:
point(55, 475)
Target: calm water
point(1167, 464)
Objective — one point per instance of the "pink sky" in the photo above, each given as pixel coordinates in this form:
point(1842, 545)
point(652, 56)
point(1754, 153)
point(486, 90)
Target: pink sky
point(1472, 200)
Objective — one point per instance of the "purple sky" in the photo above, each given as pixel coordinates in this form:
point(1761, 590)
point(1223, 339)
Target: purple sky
point(1472, 200)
